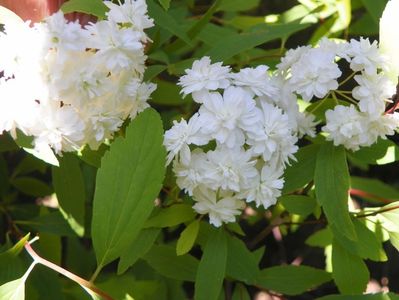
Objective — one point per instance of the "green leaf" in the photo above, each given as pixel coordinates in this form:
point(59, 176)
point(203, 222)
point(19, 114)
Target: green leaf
point(321, 238)
point(127, 184)
point(375, 188)
point(13, 290)
point(164, 260)
point(93, 157)
point(212, 268)
point(381, 153)
point(187, 238)
point(292, 280)
point(228, 47)
point(138, 248)
point(332, 186)
point(375, 9)
point(70, 189)
point(152, 71)
point(53, 223)
point(165, 4)
point(366, 246)
point(298, 204)
point(305, 166)
point(241, 263)
point(6, 141)
point(167, 93)
point(354, 282)
point(390, 217)
point(171, 216)
point(31, 186)
point(240, 293)
point(238, 5)
point(166, 21)
point(92, 7)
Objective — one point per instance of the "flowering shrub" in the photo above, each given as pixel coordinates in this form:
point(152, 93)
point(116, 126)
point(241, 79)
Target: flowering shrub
point(259, 171)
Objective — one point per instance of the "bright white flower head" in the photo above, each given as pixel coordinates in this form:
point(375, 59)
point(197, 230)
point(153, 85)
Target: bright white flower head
point(222, 210)
point(365, 56)
point(68, 86)
point(256, 81)
point(204, 77)
point(314, 74)
point(225, 118)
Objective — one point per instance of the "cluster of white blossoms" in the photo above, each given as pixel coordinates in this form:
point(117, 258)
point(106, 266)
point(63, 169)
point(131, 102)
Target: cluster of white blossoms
point(235, 148)
point(67, 85)
point(313, 73)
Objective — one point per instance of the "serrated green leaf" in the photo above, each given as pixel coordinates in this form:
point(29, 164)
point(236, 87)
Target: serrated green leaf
point(138, 248)
point(342, 261)
point(171, 216)
point(332, 186)
point(292, 280)
point(187, 238)
point(321, 238)
point(305, 166)
point(298, 204)
point(212, 268)
point(241, 263)
point(227, 47)
point(164, 260)
point(127, 184)
point(92, 7)
point(13, 290)
point(70, 189)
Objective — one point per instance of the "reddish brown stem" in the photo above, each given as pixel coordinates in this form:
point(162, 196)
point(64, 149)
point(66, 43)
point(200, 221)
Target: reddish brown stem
point(363, 194)
point(66, 273)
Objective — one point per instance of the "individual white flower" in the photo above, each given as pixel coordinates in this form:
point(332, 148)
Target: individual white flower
point(118, 48)
point(314, 74)
point(133, 12)
point(191, 174)
point(255, 80)
point(336, 47)
point(346, 126)
point(268, 137)
point(203, 77)
point(226, 117)
point(306, 124)
point(291, 57)
point(61, 128)
point(372, 92)
point(381, 127)
point(222, 210)
point(364, 56)
point(230, 169)
point(182, 134)
point(266, 189)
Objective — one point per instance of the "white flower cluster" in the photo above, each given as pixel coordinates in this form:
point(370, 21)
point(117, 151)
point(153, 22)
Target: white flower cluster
point(68, 85)
point(235, 148)
point(313, 72)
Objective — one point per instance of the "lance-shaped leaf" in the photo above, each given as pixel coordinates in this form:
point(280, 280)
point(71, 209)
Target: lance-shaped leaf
point(127, 184)
point(332, 185)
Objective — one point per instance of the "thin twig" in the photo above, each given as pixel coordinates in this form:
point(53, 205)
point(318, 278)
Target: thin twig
point(84, 283)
